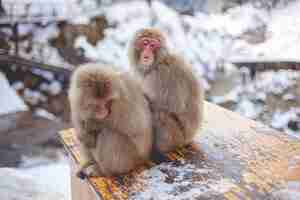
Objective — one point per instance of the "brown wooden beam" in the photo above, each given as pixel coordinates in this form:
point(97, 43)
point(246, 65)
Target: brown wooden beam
point(264, 65)
point(21, 62)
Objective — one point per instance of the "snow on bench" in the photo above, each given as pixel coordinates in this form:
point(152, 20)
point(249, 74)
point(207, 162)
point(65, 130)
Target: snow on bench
point(231, 158)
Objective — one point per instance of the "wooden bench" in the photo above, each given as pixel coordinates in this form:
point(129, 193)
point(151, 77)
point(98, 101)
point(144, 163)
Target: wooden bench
point(231, 158)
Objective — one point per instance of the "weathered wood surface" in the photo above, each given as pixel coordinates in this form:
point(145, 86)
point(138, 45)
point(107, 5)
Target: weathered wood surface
point(231, 158)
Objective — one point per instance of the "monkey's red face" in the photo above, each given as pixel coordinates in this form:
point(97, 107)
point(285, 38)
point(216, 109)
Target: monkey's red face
point(99, 95)
point(103, 108)
point(147, 46)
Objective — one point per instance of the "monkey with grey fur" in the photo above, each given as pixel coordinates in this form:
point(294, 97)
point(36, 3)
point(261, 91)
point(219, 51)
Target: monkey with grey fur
point(112, 120)
point(172, 88)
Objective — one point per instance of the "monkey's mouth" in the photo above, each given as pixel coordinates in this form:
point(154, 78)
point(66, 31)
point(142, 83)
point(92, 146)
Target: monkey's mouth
point(108, 106)
point(104, 111)
point(146, 57)
point(147, 60)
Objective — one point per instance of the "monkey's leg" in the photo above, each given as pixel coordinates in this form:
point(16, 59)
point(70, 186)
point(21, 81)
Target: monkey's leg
point(116, 153)
point(191, 121)
point(88, 160)
point(89, 140)
point(169, 132)
point(82, 173)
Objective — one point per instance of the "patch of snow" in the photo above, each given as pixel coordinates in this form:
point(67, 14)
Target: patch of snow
point(55, 87)
point(156, 186)
point(69, 9)
point(248, 109)
point(282, 42)
point(9, 101)
point(291, 192)
point(18, 85)
point(52, 177)
point(280, 119)
point(45, 74)
point(32, 96)
point(46, 182)
point(277, 82)
point(44, 113)
point(81, 42)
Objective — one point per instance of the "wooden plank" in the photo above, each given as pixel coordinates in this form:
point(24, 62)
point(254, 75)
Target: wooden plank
point(231, 158)
point(22, 62)
point(267, 64)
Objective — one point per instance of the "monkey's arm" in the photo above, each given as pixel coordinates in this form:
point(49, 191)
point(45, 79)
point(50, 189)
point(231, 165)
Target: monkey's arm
point(88, 164)
point(89, 131)
point(184, 86)
point(88, 139)
point(81, 171)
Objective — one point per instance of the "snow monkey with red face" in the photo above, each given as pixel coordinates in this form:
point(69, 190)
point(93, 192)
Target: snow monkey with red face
point(112, 119)
point(175, 93)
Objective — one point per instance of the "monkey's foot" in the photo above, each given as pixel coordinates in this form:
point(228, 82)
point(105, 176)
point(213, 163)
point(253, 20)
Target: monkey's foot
point(81, 174)
point(90, 171)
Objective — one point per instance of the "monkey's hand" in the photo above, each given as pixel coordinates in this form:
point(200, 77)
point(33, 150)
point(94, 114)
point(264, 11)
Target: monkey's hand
point(88, 170)
point(88, 140)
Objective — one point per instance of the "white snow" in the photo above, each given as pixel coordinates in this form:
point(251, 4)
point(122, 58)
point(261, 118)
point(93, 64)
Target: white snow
point(44, 113)
point(46, 182)
point(283, 34)
point(281, 119)
point(248, 109)
point(32, 96)
point(9, 100)
point(53, 177)
point(55, 87)
point(156, 186)
point(73, 10)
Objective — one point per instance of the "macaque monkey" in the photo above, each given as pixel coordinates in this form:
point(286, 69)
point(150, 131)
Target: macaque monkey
point(173, 90)
point(112, 119)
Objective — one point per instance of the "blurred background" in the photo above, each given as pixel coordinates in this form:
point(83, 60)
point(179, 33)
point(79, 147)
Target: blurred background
point(247, 51)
